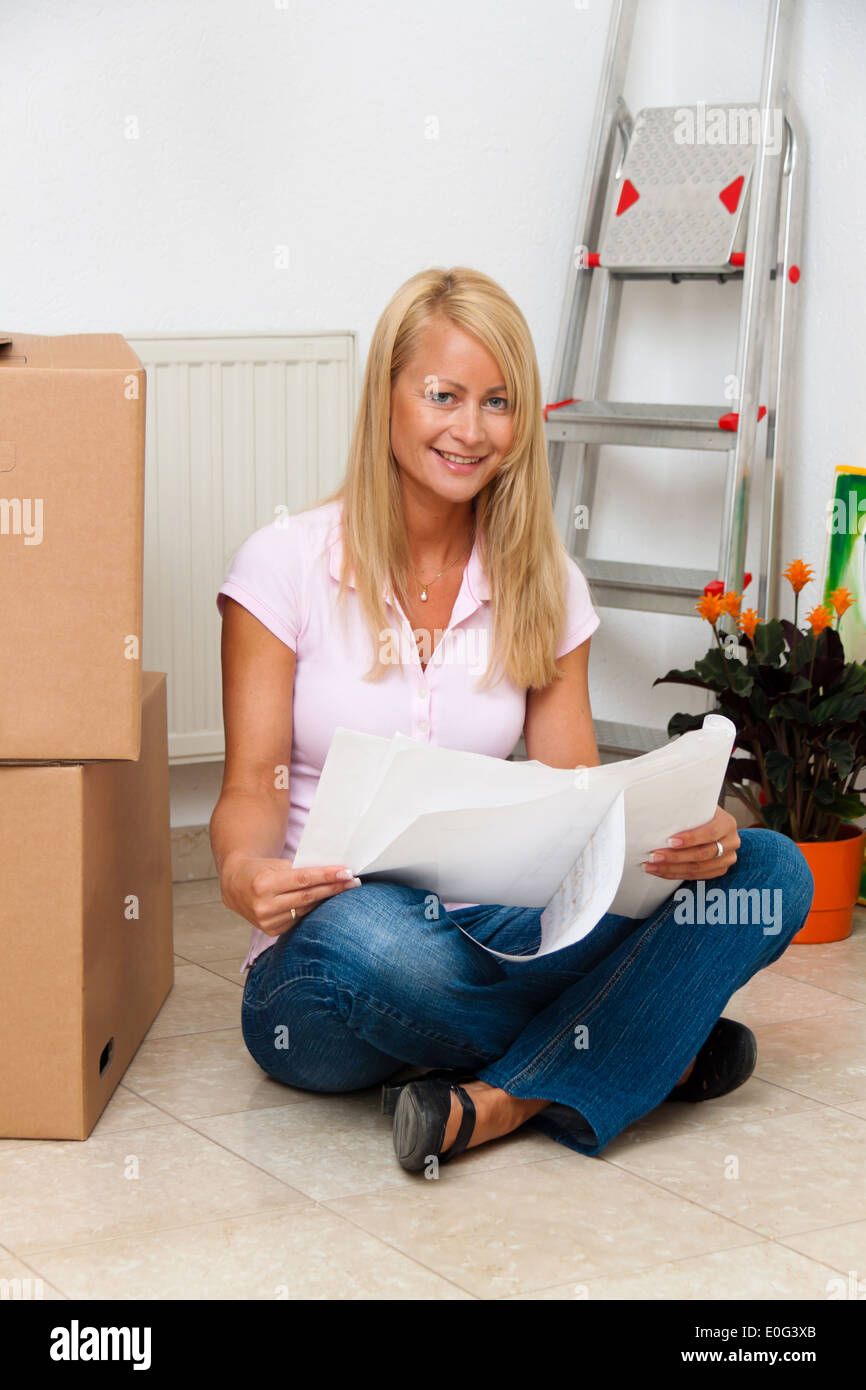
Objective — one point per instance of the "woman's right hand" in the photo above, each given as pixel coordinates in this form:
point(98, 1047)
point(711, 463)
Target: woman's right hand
point(264, 891)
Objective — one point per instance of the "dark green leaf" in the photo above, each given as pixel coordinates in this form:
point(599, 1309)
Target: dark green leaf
point(713, 668)
point(769, 642)
point(792, 708)
point(681, 678)
point(778, 767)
point(776, 817)
point(839, 709)
point(824, 794)
point(800, 657)
point(742, 679)
point(848, 807)
point(842, 754)
point(682, 723)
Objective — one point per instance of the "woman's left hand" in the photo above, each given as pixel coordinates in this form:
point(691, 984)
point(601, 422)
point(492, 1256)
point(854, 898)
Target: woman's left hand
point(695, 853)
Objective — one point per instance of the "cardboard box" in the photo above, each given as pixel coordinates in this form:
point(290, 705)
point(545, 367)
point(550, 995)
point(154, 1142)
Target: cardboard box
point(86, 950)
point(71, 540)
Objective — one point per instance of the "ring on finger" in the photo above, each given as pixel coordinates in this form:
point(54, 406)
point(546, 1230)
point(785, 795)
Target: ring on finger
point(294, 914)
point(720, 849)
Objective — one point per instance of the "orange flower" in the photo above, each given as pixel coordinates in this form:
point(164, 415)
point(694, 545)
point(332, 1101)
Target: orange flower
point(748, 621)
point(799, 575)
point(819, 618)
point(841, 599)
point(731, 603)
point(711, 607)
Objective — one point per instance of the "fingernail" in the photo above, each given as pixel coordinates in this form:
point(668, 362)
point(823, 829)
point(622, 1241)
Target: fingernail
point(674, 841)
point(648, 869)
point(655, 857)
point(356, 883)
point(344, 873)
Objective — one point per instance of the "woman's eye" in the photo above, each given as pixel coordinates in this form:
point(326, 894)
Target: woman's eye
point(437, 397)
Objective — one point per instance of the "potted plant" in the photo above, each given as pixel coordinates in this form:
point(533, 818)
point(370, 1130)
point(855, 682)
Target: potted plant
point(800, 713)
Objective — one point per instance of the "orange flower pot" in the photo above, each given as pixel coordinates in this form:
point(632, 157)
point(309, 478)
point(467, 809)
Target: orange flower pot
point(836, 867)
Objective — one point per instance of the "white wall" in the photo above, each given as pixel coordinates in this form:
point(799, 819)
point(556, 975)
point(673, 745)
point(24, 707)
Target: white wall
point(154, 156)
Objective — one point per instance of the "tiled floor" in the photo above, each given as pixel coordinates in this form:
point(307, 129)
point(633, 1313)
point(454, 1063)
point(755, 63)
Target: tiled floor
point(206, 1179)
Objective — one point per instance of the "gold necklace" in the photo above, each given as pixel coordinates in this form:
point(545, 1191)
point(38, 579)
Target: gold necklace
point(425, 587)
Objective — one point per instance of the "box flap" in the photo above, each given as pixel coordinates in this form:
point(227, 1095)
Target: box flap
point(83, 351)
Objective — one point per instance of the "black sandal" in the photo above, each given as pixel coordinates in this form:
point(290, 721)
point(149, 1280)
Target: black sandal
point(391, 1090)
point(421, 1118)
point(725, 1061)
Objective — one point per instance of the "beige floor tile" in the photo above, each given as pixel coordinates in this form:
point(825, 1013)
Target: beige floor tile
point(199, 1002)
point(126, 1110)
point(756, 1100)
point(773, 998)
point(65, 1193)
point(196, 890)
point(204, 1074)
point(512, 1230)
point(229, 968)
point(844, 1249)
point(765, 1272)
point(793, 1172)
point(306, 1253)
point(209, 931)
point(839, 966)
point(18, 1282)
point(823, 1057)
point(339, 1145)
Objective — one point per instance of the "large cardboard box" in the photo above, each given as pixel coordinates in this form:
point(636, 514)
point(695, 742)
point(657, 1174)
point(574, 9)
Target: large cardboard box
point(71, 539)
point(86, 952)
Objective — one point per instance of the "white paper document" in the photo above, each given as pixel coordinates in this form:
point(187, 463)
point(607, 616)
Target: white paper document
point(472, 828)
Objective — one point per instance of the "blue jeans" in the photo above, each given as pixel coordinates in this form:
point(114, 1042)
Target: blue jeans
point(381, 976)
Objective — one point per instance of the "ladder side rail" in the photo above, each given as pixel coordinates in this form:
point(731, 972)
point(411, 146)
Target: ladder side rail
point(586, 455)
point(606, 121)
point(586, 471)
point(760, 252)
point(595, 188)
point(780, 394)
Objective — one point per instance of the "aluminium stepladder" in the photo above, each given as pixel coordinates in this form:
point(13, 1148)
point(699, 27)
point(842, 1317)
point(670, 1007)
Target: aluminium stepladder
point(675, 207)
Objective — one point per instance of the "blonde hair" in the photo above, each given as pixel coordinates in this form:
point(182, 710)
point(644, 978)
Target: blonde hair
point(521, 549)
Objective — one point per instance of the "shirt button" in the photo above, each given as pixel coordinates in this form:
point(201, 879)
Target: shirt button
point(423, 726)
point(422, 694)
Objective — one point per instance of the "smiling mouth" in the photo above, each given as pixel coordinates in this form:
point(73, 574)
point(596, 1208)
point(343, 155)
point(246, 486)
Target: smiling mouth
point(458, 458)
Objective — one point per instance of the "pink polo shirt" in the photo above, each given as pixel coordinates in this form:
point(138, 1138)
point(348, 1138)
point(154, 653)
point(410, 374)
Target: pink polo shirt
point(287, 575)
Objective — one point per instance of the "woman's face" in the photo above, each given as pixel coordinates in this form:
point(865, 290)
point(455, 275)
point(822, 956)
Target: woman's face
point(450, 400)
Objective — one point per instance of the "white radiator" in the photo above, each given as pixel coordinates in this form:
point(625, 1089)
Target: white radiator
point(236, 427)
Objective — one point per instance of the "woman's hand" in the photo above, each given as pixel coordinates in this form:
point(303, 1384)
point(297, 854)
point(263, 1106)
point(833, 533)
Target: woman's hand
point(695, 853)
point(264, 891)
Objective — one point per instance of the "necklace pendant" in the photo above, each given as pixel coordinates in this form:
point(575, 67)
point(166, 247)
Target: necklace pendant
point(424, 594)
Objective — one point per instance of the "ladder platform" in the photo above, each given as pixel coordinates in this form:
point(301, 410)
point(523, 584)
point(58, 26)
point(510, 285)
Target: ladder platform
point(647, 588)
point(627, 740)
point(722, 274)
point(624, 422)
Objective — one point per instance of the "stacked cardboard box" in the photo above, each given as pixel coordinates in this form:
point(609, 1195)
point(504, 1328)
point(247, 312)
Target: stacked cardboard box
point(86, 956)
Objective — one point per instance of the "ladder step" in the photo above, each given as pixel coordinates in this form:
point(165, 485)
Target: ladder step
point(624, 422)
point(627, 740)
point(649, 588)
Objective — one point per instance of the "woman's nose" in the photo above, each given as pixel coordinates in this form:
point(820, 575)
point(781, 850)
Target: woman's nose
point(468, 424)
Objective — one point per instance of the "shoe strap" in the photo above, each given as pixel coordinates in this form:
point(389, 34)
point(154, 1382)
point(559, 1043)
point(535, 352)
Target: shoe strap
point(467, 1125)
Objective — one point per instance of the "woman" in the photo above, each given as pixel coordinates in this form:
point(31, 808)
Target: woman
point(363, 611)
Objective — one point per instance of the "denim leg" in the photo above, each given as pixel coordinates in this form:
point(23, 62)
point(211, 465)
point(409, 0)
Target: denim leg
point(614, 1044)
point(380, 976)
